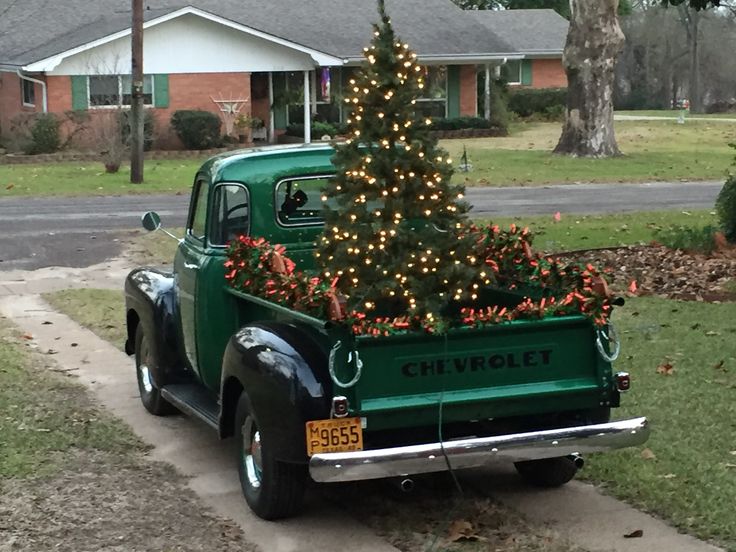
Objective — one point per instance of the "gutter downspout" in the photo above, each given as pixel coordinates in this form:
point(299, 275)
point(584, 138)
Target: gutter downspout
point(43, 88)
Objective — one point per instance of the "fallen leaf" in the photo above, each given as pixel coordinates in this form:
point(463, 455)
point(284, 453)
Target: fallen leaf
point(27, 336)
point(666, 369)
point(719, 365)
point(647, 454)
point(712, 333)
point(637, 534)
point(10, 186)
point(46, 323)
point(460, 530)
point(668, 476)
point(632, 286)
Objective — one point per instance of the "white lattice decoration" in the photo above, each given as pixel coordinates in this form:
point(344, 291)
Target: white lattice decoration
point(230, 107)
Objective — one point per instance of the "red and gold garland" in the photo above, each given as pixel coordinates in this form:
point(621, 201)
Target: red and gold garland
point(504, 258)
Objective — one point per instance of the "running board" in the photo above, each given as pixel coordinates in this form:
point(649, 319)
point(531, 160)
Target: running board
point(194, 400)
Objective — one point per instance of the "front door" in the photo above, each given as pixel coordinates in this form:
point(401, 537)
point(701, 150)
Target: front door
point(187, 264)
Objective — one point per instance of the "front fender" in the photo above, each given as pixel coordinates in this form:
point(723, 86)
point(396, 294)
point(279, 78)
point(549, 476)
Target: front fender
point(150, 300)
point(283, 370)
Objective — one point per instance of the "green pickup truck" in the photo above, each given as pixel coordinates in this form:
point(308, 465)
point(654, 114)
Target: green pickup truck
point(304, 397)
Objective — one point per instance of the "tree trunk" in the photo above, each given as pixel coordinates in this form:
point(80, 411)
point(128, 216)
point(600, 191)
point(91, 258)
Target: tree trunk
point(696, 99)
point(593, 43)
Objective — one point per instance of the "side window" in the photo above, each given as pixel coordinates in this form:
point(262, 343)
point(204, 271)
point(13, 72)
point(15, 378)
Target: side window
point(299, 201)
point(231, 214)
point(199, 215)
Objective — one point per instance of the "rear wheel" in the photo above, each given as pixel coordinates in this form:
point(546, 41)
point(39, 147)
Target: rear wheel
point(549, 472)
point(148, 375)
point(271, 488)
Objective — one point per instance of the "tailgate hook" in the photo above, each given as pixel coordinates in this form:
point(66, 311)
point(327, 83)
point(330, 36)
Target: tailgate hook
point(358, 366)
point(614, 343)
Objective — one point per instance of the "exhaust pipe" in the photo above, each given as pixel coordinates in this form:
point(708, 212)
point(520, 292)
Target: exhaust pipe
point(578, 460)
point(404, 484)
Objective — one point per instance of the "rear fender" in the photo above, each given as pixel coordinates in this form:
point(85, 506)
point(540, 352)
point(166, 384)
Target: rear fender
point(283, 370)
point(150, 300)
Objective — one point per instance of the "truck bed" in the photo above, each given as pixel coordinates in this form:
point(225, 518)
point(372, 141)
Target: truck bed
point(519, 368)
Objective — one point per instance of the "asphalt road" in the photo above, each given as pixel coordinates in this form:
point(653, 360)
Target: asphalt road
point(77, 232)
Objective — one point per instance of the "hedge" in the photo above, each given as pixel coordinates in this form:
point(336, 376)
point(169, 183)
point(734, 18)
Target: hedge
point(526, 102)
point(198, 130)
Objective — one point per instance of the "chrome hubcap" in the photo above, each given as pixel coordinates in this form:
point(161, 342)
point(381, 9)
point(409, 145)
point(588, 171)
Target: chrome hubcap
point(252, 452)
point(146, 379)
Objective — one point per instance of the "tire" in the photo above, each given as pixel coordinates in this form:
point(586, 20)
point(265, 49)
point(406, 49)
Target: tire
point(549, 472)
point(148, 376)
point(272, 489)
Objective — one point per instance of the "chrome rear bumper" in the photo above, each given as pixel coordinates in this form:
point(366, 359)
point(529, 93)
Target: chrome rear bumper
point(473, 453)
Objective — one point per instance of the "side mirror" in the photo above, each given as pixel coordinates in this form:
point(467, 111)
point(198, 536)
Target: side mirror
point(151, 221)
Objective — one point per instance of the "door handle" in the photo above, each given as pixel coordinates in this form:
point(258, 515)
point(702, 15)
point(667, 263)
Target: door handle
point(191, 266)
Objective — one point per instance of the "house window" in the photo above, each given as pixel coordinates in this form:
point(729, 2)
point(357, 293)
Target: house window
point(432, 101)
point(511, 71)
point(325, 81)
point(115, 90)
point(28, 93)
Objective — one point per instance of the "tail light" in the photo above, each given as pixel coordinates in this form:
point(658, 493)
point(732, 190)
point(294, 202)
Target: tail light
point(623, 381)
point(340, 407)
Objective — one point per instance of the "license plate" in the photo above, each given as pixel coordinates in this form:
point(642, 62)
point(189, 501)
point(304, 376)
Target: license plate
point(336, 435)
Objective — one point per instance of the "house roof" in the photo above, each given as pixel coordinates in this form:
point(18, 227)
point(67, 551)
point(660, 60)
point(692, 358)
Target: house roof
point(530, 32)
point(33, 30)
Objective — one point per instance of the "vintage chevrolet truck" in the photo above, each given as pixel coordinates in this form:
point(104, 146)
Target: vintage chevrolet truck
point(304, 397)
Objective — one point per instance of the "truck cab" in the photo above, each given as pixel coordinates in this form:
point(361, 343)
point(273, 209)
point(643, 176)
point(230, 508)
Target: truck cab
point(305, 398)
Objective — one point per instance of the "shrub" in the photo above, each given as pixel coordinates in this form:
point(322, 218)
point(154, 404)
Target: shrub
point(688, 238)
point(319, 129)
point(726, 208)
point(148, 128)
point(459, 123)
point(500, 105)
point(197, 130)
point(45, 135)
point(529, 101)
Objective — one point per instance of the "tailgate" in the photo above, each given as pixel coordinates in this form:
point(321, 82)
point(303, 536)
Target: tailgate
point(524, 367)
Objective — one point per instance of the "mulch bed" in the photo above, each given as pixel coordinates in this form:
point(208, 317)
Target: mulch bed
point(674, 274)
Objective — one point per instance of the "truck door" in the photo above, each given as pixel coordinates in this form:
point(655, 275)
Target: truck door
point(186, 268)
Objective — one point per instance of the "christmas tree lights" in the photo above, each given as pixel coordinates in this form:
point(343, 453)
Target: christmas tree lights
point(394, 231)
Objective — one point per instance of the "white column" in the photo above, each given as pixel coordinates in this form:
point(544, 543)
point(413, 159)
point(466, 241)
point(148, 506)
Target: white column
point(313, 90)
point(271, 122)
point(307, 110)
point(487, 96)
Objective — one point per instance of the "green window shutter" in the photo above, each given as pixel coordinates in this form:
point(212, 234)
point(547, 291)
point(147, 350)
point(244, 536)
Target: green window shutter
point(526, 72)
point(161, 90)
point(453, 91)
point(80, 100)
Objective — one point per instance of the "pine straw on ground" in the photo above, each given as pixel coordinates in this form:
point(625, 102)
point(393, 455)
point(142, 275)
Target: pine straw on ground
point(673, 274)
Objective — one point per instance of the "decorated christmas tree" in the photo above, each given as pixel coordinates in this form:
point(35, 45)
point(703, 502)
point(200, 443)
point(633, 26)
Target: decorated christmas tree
point(392, 242)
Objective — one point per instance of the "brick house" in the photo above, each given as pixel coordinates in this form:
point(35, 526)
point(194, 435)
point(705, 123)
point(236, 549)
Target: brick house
point(276, 57)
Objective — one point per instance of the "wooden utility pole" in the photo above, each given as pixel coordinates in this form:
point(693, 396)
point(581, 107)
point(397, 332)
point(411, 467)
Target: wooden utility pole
point(136, 102)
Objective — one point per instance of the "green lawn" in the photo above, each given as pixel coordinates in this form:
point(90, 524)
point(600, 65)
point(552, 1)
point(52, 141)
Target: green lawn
point(75, 179)
point(575, 232)
point(674, 113)
point(691, 480)
point(654, 150)
point(44, 415)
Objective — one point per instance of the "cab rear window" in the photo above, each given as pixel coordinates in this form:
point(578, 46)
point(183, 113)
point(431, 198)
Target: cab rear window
point(299, 201)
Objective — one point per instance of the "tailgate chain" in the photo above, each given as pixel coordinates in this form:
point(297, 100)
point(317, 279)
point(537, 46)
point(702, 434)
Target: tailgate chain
point(614, 343)
point(358, 367)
